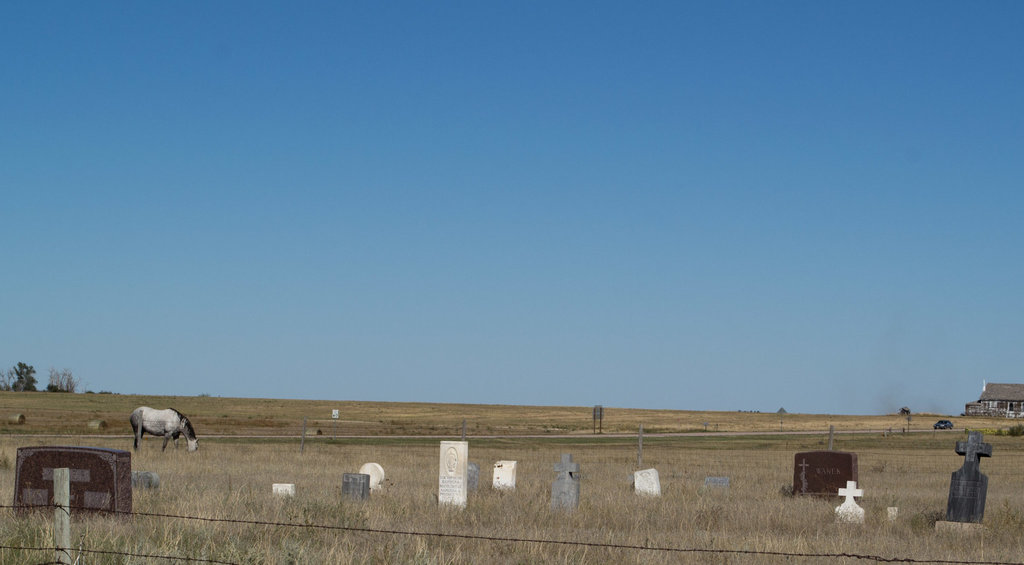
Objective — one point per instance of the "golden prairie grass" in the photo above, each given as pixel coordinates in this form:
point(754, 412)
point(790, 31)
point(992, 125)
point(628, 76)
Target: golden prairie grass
point(61, 413)
point(743, 524)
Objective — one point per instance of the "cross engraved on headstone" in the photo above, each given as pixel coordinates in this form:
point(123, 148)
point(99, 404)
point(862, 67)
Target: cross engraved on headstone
point(565, 491)
point(968, 486)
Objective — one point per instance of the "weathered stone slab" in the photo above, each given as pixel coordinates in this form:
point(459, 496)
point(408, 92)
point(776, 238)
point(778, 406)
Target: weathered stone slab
point(472, 476)
point(823, 473)
point(716, 482)
point(961, 528)
point(504, 475)
point(145, 479)
point(355, 486)
point(968, 486)
point(565, 491)
point(283, 489)
point(101, 479)
point(647, 482)
point(376, 473)
point(453, 473)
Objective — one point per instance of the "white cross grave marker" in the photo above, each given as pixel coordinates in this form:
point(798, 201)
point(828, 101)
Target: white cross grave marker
point(849, 511)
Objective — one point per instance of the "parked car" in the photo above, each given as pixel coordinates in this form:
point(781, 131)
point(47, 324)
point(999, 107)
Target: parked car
point(943, 425)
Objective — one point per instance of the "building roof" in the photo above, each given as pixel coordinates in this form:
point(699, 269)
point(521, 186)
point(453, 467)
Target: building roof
point(1000, 391)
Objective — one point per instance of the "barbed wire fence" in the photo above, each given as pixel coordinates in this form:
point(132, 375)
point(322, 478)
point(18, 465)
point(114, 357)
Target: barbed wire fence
point(471, 537)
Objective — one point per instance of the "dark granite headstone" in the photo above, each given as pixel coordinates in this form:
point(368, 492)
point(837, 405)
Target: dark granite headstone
point(101, 479)
point(355, 486)
point(145, 479)
point(472, 476)
point(968, 485)
point(565, 491)
point(823, 473)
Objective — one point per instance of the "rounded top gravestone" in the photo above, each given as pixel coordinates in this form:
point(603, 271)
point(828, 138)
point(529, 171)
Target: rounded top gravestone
point(376, 473)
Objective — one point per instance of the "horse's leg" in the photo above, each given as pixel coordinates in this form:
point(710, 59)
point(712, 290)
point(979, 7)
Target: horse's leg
point(166, 439)
point(138, 434)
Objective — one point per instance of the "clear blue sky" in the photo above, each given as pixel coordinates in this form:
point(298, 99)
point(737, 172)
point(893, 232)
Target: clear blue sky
point(707, 205)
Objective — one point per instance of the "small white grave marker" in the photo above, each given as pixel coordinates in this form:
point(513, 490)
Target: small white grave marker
point(892, 512)
point(647, 482)
point(504, 475)
point(849, 512)
point(284, 489)
point(376, 473)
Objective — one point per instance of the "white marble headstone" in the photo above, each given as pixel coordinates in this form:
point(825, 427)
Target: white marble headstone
point(376, 473)
point(453, 473)
point(849, 511)
point(504, 475)
point(284, 489)
point(647, 483)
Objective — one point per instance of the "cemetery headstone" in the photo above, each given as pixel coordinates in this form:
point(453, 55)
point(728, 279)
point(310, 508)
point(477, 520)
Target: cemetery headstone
point(968, 486)
point(453, 473)
point(101, 479)
point(376, 473)
point(823, 473)
point(565, 491)
point(145, 479)
point(892, 512)
point(355, 486)
point(716, 482)
point(849, 511)
point(504, 475)
point(472, 476)
point(283, 489)
point(647, 483)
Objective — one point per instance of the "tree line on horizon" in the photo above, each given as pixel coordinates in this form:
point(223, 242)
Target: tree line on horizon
point(22, 378)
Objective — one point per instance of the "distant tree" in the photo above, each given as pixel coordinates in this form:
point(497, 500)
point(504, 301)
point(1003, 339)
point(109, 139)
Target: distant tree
point(7, 379)
point(25, 379)
point(62, 381)
point(904, 411)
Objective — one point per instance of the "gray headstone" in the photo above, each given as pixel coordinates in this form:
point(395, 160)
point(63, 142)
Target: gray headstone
point(472, 476)
point(968, 486)
point(565, 491)
point(716, 482)
point(145, 479)
point(355, 486)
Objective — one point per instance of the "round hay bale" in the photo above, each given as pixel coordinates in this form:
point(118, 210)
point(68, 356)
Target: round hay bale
point(97, 424)
point(16, 419)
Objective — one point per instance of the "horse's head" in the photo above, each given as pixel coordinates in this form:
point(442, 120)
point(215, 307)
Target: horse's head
point(193, 443)
point(190, 434)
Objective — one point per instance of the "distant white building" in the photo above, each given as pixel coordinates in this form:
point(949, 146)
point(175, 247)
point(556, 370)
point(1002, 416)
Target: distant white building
point(998, 399)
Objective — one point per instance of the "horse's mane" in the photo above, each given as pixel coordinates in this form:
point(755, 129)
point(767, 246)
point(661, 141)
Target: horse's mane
point(190, 432)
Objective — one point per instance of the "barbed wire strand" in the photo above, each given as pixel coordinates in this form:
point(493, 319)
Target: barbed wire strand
point(120, 553)
point(477, 537)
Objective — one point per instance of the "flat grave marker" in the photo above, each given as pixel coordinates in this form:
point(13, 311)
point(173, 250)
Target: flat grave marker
point(283, 489)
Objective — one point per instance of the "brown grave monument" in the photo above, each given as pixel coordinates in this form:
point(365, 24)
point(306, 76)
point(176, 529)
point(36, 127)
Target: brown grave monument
point(823, 473)
point(101, 479)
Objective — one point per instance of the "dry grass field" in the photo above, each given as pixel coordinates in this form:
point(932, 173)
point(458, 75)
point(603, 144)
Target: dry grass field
point(754, 521)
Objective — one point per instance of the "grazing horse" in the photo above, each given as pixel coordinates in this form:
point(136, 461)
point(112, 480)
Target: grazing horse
point(168, 423)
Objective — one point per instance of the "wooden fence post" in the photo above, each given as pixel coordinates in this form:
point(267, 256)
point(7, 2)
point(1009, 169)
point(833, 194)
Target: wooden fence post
point(640, 447)
point(62, 515)
point(302, 445)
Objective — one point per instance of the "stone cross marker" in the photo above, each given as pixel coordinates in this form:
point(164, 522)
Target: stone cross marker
point(565, 491)
point(968, 486)
point(100, 479)
point(453, 473)
point(823, 473)
point(849, 511)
